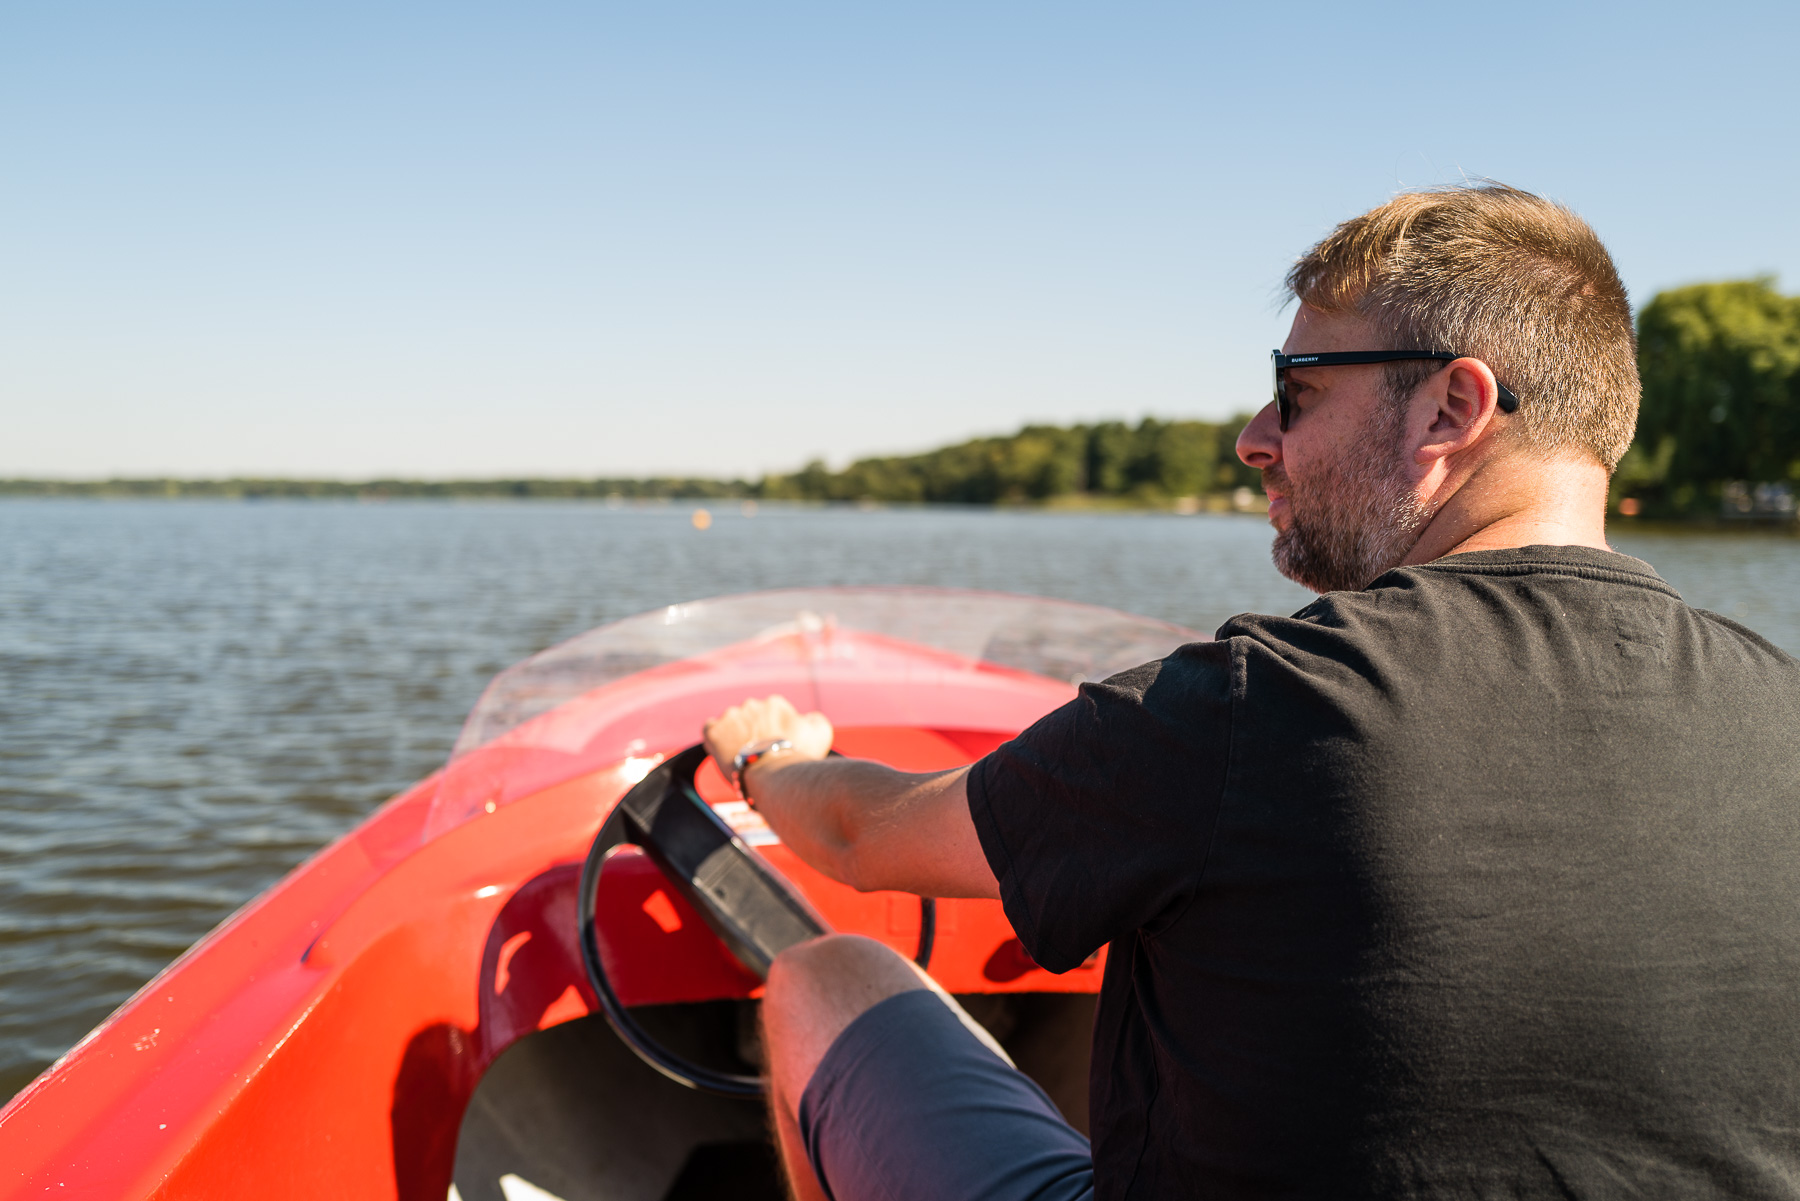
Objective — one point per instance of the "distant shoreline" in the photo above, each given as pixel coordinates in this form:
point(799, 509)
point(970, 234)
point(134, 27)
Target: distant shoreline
point(633, 494)
point(723, 495)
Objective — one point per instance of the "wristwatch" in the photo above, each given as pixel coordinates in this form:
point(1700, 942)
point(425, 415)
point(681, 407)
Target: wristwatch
point(740, 763)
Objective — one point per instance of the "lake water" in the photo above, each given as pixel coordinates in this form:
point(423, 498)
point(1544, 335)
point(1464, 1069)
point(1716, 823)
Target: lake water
point(196, 696)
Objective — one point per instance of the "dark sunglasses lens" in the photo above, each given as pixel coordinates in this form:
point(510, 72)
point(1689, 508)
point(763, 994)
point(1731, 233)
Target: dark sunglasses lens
point(1281, 400)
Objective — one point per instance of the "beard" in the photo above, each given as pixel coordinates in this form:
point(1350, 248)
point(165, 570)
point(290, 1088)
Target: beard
point(1356, 519)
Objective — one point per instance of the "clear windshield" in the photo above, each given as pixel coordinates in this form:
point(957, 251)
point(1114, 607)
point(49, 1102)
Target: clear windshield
point(1058, 639)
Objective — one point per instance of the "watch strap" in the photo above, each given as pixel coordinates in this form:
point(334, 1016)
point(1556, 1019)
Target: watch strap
point(740, 763)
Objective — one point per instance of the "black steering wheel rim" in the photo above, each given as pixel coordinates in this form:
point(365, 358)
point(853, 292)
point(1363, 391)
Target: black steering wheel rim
point(678, 774)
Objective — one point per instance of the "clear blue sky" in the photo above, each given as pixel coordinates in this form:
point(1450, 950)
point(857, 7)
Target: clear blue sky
point(585, 239)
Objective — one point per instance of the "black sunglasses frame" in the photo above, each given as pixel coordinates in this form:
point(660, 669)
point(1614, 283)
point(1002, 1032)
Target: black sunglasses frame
point(1508, 403)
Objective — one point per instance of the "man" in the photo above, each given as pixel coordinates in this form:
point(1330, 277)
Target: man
point(1479, 876)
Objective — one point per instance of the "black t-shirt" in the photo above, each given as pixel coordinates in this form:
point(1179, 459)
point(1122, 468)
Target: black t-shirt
point(1484, 881)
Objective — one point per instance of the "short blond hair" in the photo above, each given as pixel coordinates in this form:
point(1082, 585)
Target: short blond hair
point(1504, 276)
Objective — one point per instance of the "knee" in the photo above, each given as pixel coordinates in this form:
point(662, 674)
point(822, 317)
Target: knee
point(834, 970)
point(816, 954)
point(816, 989)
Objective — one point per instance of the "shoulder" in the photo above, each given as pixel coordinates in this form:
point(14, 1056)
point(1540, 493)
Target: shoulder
point(1337, 628)
point(1196, 666)
point(1529, 610)
point(1728, 638)
point(1184, 696)
point(1456, 590)
point(1617, 595)
point(1452, 616)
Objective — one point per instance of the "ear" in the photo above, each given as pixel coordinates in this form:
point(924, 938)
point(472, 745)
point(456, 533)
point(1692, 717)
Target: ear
point(1456, 406)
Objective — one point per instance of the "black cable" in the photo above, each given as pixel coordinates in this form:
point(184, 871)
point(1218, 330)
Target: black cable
point(927, 931)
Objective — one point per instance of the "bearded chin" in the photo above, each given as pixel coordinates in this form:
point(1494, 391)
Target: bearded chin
point(1353, 523)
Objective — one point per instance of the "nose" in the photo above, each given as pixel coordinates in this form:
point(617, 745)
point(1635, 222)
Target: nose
point(1259, 443)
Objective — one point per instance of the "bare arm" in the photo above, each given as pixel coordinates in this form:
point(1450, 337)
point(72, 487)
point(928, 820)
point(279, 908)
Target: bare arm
point(859, 822)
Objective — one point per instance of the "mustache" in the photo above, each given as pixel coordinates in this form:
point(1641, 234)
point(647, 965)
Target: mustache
point(1274, 479)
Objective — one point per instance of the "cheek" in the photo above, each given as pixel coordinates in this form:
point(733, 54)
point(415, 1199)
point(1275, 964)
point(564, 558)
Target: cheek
point(1300, 459)
point(1328, 444)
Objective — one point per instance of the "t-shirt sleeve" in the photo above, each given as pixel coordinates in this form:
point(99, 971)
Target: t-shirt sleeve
point(1097, 820)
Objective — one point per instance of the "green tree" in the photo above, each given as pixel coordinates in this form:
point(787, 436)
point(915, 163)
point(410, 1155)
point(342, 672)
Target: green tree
point(1181, 457)
point(1721, 371)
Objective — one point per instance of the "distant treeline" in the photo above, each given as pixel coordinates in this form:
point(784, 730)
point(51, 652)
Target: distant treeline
point(1150, 463)
point(1719, 434)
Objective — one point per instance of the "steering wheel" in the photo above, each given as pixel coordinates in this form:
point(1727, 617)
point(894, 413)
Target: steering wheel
point(753, 910)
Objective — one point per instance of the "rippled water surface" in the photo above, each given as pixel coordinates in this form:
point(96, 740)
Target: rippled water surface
point(196, 696)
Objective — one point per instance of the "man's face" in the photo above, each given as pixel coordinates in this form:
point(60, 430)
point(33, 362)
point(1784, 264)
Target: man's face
point(1341, 487)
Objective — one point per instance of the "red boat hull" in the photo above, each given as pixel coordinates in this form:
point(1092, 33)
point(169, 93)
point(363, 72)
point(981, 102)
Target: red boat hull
point(326, 1039)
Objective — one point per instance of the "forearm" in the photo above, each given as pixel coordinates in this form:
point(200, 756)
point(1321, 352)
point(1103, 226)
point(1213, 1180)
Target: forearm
point(861, 823)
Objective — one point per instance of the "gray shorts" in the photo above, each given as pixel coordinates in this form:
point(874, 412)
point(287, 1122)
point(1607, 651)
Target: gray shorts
point(907, 1105)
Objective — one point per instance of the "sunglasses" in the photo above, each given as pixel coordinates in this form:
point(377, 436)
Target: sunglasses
point(1284, 407)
